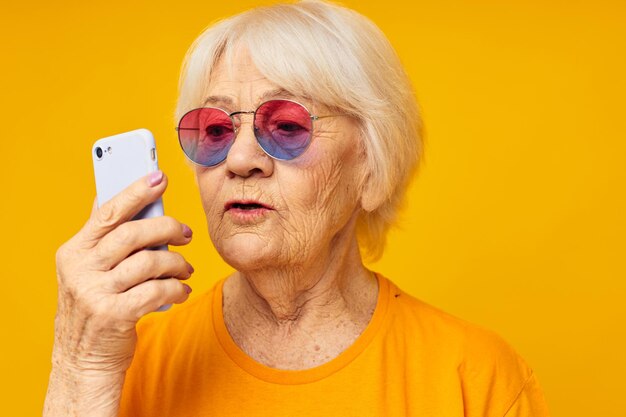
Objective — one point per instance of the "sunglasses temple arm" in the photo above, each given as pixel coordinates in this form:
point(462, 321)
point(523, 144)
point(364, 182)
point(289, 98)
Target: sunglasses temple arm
point(328, 115)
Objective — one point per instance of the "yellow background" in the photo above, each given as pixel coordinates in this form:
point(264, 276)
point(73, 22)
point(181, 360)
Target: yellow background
point(517, 221)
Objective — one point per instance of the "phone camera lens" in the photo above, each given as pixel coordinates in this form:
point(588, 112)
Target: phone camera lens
point(99, 152)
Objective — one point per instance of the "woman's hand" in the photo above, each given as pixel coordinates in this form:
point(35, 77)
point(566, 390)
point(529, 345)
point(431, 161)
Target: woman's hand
point(107, 282)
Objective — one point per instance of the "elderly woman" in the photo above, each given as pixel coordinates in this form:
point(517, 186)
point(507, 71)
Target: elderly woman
point(304, 133)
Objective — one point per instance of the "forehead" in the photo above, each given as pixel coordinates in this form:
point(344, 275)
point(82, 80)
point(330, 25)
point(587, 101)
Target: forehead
point(235, 67)
point(235, 81)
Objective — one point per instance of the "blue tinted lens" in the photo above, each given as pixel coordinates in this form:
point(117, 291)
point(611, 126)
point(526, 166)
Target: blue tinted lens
point(283, 128)
point(206, 135)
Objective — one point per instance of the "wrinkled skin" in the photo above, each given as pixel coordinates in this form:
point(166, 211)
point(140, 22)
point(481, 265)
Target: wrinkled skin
point(314, 195)
point(300, 262)
point(106, 284)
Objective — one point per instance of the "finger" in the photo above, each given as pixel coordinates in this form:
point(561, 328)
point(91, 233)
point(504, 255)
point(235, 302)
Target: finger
point(135, 235)
point(145, 265)
point(77, 239)
point(124, 206)
point(150, 295)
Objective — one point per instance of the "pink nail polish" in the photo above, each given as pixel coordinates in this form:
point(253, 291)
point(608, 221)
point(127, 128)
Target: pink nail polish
point(190, 268)
point(187, 232)
point(187, 288)
point(155, 178)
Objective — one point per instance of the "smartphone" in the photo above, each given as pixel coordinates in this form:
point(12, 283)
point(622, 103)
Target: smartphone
point(120, 160)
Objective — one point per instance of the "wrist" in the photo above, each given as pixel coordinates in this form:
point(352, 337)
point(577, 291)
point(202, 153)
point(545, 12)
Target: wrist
point(83, 393)
point(87, 362)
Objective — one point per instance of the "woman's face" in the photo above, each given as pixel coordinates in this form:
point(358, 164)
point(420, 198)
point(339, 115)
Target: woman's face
point(262, 212)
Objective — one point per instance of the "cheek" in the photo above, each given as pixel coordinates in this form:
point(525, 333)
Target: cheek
point(209, 185)
point(323, 186)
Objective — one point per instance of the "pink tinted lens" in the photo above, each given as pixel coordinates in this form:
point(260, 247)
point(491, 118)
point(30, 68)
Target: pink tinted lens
point(283, 128)
point(206, 135)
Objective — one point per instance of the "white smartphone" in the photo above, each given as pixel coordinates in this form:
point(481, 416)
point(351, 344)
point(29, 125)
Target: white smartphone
point(120, 160)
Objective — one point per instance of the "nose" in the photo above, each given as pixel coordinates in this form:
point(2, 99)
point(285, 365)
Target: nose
point(245, 157)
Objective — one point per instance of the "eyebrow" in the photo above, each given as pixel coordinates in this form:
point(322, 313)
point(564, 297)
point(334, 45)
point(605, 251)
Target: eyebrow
point(214, 100)
point(225, 100)
point(278, 92)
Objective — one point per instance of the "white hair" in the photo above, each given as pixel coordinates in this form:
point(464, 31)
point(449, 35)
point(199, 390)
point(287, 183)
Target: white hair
point(340, 59)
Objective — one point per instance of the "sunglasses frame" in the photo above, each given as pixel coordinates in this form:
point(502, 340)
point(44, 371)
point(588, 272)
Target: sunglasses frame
point(236, 128)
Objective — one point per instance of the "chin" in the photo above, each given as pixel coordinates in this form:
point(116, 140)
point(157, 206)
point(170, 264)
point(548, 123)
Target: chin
point(248, 252)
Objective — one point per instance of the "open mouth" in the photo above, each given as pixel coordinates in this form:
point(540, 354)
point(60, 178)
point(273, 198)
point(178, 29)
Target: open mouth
point(252, 206)
point(246, 205)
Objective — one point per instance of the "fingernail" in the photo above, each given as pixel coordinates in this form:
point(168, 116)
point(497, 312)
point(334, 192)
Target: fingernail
point(187, 232)
point(155, 178)
point(190, 268)
point(187, 288)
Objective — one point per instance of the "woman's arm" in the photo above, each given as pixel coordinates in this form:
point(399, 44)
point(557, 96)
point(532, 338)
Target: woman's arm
point(106, 284)
point(72, 394)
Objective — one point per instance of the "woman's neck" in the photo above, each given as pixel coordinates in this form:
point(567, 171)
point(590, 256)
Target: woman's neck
point(303, 316)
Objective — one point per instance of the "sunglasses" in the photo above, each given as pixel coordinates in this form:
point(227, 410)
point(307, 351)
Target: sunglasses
point(283, 129)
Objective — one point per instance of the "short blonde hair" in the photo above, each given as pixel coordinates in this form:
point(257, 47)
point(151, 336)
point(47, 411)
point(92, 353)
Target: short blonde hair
point(337, 58)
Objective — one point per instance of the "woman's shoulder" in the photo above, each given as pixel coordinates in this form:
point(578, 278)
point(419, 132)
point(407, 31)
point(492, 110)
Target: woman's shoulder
point(490, 372)
point(437, 326)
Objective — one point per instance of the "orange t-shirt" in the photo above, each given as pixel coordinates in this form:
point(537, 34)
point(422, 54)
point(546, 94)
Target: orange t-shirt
point(411, 360)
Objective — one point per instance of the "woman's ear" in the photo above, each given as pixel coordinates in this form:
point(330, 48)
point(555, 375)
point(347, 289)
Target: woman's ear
point(372, 196)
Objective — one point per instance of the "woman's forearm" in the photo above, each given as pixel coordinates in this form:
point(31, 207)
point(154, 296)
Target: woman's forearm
point(72, 394)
